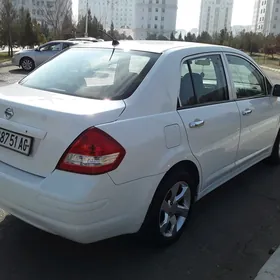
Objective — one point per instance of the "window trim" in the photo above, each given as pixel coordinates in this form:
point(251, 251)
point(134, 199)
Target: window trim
point(227, 80)
point(255, 66)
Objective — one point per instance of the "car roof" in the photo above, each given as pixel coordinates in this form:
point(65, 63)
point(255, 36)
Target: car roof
point(154, 46)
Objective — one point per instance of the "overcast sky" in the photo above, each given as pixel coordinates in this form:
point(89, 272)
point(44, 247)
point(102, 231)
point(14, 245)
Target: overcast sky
point(188, 13)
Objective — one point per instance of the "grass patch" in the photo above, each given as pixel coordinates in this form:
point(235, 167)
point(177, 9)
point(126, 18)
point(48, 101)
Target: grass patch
point(268, 61)
point(4, 57)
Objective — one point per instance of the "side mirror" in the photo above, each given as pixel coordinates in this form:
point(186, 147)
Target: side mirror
point(37, 49)
point(276, 91)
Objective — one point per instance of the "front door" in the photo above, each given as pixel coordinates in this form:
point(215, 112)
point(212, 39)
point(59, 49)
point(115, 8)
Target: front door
point(259, 119)
point(210, 117)
point(47, 51)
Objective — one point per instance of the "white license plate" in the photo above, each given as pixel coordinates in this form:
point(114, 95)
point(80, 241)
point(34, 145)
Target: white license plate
point(15, 141)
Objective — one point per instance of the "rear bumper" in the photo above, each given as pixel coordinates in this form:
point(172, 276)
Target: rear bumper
point(82, 208)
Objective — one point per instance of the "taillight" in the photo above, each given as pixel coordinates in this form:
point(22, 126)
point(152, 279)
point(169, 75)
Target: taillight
point(93, 152)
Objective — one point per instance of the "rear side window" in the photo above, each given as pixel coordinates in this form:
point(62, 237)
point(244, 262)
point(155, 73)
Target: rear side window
point(203, 81)
point(93, 73)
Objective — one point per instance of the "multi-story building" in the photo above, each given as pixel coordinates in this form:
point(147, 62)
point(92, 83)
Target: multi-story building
point(142, 17)
point(46, 10)
point(215, 15)
point(155, 17)
point(120, 12)
point(266, 17)
point(237, 29)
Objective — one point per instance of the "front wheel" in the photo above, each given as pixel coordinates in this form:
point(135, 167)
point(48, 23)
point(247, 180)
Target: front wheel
point(27, 64)
point(170, 209)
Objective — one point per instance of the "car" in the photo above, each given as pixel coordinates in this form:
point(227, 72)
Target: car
point(105, 140)
point(29, 59)
point(89, 39)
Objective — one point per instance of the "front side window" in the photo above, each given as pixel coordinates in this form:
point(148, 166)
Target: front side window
point(50, 47)
point(93, 73)
point(204, 78)
point(248, 81)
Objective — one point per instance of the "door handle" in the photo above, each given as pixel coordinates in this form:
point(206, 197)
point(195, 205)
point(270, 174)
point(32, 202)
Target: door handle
point(247, 112)
point(196, 123)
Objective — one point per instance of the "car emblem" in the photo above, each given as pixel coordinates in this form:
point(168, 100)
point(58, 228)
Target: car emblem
point(9, 112)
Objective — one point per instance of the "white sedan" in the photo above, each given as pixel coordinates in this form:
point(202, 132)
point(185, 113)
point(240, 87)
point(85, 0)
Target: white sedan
point(103, 141)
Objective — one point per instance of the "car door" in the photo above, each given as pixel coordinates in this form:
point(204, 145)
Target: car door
point(47, 51)
point(259, 119)
point(210, 117)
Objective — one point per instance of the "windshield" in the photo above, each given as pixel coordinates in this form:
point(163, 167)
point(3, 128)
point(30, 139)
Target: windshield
point(93, 73)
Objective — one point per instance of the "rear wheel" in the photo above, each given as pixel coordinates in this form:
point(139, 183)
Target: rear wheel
point(27, 64)
point(170, 209)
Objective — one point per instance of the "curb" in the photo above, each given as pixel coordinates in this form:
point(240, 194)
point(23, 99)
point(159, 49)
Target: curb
point(271, 269)
point(271, 69)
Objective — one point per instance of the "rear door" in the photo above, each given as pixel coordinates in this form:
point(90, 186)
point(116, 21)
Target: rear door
point(259, 116)
point(211, 118)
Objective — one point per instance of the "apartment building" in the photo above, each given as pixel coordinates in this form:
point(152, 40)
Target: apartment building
point(140, 17)
point(266, 18)
point(215, 15)
point(155, 17)
point(120, 12)
point(39, 8)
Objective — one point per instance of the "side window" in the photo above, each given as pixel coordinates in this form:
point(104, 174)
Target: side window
point(50, 47)
point(268, 86)
point(66, 45)
point(248, 81)
point(187, 95)
point(203, 81)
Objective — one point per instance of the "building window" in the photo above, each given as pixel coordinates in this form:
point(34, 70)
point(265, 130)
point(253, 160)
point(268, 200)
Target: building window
point(150, 1)
point(162, 18)
point(155, 26)
point(157, 1)
point(149, 26)
point(276, 10)
point(156, 18)
point(156, 9)
point(163, 2)
point(274, 26)
point(150, 10)
point(161, 27)
point(276, 17)
point(163, 10)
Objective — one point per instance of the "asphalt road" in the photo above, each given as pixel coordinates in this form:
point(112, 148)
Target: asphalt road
point(228, 238)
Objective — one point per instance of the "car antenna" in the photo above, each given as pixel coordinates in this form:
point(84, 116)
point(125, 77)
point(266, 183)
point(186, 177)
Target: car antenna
point(115, 42)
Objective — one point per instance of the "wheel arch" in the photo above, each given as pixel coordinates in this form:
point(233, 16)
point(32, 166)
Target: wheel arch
point(190, 167)
point(26, 56)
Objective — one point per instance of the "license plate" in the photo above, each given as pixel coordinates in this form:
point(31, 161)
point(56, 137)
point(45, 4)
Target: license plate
point(15, 141)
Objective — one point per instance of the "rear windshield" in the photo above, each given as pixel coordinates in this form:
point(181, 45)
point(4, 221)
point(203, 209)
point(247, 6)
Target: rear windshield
point(93, 73)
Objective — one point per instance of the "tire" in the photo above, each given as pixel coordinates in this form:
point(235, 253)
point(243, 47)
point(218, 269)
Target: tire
point(275, 155)
point(157, 227)
point(27, 64)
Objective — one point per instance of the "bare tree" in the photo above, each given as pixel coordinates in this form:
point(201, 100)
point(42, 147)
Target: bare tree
point(54, 13)
point(7, 18)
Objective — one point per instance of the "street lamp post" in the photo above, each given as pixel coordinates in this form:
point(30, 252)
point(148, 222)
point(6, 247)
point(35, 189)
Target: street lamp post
point(86, 27)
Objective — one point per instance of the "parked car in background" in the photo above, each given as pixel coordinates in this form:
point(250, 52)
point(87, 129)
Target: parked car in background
point(90, 39)
point(28, 59)
point(108, 140)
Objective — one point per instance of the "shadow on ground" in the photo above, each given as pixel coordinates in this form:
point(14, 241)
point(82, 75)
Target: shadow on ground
point(18, 71)
point(228, 238)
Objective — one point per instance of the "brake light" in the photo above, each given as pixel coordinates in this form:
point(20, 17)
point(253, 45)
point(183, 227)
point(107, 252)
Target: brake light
point(93, 152)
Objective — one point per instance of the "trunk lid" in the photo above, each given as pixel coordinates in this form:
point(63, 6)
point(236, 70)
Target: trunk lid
point(52, 120)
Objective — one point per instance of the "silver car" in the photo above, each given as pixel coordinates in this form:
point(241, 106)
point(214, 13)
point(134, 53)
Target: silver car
point(29, 59)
